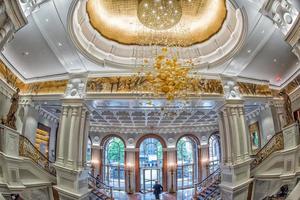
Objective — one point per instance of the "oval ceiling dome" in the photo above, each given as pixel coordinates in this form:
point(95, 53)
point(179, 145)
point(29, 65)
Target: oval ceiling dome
point(113, 34)
point(182, 23)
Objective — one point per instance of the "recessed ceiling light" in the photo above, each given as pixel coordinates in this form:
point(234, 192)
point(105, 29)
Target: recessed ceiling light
point(275, 60)
point(26, 53)
point(59, 44)
point(47, 20)
point(249, 51)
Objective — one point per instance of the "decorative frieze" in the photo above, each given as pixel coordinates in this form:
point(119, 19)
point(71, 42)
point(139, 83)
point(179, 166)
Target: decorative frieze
point(159, 130)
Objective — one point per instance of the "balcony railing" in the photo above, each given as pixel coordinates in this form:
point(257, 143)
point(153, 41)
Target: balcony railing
point(100, 189)
point(274, 144)
point(203, 186)
point(27, 149)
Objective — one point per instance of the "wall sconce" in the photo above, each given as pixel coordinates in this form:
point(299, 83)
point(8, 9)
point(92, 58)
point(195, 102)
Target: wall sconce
point(95, 162)
point(129, 168)
point(172, 167)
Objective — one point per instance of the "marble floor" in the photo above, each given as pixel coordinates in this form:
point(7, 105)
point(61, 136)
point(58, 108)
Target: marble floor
point(180, 195)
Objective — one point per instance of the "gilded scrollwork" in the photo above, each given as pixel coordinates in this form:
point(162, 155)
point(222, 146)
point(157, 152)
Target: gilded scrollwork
point(48, 87)
point(274, 144)
point(27, 149)
point(10, 78)
point(293, 85)
point(251, 89)
point(141, 84)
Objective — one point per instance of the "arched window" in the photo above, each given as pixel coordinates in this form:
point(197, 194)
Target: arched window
point(151, 161)
point(89, 152)
point(214, 152)
point(113, 168)
point(186, 163)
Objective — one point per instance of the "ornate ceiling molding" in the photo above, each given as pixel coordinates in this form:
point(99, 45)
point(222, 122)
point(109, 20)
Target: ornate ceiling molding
point(215, 51)
point(197, 21)
point(157, 130)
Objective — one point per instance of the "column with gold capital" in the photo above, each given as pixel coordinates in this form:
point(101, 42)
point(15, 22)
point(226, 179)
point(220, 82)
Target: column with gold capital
point(72, 175)
point(235, 144)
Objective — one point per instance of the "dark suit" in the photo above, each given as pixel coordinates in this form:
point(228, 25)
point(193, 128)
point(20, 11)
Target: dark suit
point(157, 190)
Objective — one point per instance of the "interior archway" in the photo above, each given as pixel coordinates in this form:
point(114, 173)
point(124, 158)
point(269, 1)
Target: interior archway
point(187, 154)
point(214, 152)
point(113, 162)
point(151, 164)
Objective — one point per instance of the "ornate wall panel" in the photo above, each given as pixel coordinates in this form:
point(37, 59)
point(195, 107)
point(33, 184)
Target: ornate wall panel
point(140, 84)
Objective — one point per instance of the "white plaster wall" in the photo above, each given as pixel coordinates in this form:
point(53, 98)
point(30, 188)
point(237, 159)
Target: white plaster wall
point(266, 125)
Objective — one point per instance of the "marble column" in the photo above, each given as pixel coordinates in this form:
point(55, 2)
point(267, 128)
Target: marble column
point(172, 169)
point(204, 161)
point(235, 151)
point(62, 132)
point(130, 170)
point(72, 175)
point(276, 111)
point(96, 160)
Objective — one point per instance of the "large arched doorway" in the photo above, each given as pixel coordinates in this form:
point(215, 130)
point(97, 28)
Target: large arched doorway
point(187, 165)
point(113, 163)
point(214, 152)
point(150, 163)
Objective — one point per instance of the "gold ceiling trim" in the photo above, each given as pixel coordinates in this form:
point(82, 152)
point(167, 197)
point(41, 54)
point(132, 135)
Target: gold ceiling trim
point(133, 85)
point(118, 21)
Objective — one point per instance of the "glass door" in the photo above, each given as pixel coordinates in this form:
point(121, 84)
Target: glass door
point(148, 178)
point(185, 176)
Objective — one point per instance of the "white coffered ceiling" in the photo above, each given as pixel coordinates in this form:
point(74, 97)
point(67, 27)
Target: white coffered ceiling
point(42, 50)
point(140, 113)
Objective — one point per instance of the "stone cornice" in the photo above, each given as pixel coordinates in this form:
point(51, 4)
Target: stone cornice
point(6, 89)
point(295, 94)
point(15, 13)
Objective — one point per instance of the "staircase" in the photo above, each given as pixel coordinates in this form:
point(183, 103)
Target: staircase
point(274, 144)
point(99, 189)
point(27, 149)
point(208, 189)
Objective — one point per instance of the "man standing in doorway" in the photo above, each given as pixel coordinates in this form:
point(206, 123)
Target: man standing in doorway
point(157, 190)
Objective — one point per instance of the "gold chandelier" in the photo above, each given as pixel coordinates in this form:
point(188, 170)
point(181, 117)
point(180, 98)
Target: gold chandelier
point(159, 14)
point(166, 74)
point(168, 77)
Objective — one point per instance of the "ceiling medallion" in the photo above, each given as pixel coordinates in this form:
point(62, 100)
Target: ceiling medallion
point(159, 14)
